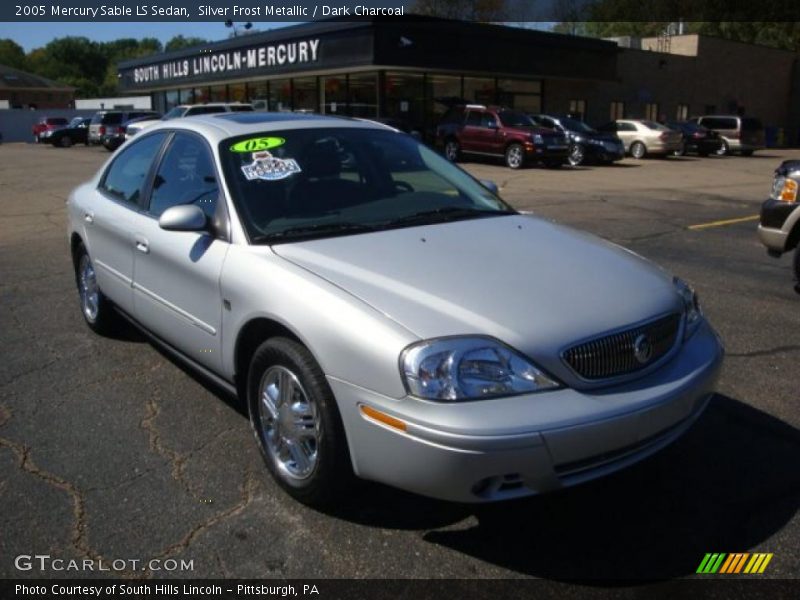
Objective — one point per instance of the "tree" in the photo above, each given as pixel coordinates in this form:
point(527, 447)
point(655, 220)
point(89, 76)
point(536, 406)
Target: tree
point(465, 10)
point(12, 54)
point(179, 42)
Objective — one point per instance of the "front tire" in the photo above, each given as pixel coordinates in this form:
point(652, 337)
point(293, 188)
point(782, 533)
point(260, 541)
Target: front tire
point(680, 151)
point(96, 309)
point(65, 142)
point(515, 156)
point(638, 150)
point(577, 155)
point(296, 423)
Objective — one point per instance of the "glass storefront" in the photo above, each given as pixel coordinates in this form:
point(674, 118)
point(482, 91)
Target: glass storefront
point(412, 100)
point(306, 98)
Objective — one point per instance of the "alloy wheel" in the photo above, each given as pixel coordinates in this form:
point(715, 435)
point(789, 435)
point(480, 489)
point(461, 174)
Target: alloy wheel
point(576, 155)
point(290, 424)
point(88, 290)
point(514, 156)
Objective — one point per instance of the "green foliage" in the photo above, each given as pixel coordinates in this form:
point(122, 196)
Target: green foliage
point(12, 54)
point(179, 42)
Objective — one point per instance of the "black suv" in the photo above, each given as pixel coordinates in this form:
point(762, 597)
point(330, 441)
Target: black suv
point(586, 144)
point(502, 132)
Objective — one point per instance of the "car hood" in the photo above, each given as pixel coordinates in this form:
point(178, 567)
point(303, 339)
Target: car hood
point(596, 135)
point(536, 286)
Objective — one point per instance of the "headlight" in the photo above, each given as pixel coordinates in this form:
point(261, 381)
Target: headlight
point(469, 368)
point(537, 139)
point(784, 189)
point(691, 306)
point(598, 142)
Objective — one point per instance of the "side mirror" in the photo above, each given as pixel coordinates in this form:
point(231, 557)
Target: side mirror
point(185, 217)
point(491, 186)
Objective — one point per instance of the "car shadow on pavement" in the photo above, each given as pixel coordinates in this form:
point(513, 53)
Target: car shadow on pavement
point(728, 485)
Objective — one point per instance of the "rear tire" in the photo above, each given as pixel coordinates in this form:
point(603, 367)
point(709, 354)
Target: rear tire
point(638, 150)
point(452, 150)
point(97, 310)
point(680, 151)
point(724, 150)
point(296, 422)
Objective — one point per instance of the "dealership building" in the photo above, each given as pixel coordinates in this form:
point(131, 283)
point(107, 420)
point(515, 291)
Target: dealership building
point(409, 70)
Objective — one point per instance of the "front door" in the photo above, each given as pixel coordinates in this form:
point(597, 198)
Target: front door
point(176, 278)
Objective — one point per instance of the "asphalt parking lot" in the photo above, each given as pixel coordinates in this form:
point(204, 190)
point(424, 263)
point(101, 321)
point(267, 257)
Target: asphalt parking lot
point(110, 450)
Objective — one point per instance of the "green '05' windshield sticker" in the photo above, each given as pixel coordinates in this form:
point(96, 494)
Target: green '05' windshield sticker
point(258, 144)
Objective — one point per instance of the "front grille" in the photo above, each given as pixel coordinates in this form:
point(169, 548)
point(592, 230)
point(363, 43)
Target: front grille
point(624, 352)
point(554, 140)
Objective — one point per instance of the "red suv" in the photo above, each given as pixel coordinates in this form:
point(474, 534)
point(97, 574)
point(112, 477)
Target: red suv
point(48, 124)
point(502, 132)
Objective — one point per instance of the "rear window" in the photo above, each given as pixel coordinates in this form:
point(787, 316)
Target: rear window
point(751, 124)
point(109, 118)
point(204, 110)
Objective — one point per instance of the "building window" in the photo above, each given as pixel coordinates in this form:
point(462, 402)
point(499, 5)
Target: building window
point(577, 109)
point(218, 93)
point(363, 89)
point(306, 96)
point(683, 112)
point(520, 94)
point(617, 111)
point(651, 111)
point(280, 95)
point(479, 90)
point(442, 91)
point(334, 94)
point(170, 100)
point(258, 95)
point(237, 92)
point(404, 94)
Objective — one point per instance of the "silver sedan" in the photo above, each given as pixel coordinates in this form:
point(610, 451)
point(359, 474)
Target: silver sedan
point(385, 315)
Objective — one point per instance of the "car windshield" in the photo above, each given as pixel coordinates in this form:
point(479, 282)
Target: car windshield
point(174, 113)
point(321, 182)
point(575, 125)
point(513, 118)
point(76, 122)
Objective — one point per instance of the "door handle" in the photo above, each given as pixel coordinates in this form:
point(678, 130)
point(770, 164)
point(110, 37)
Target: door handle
point(88, 217)
point(142, 245)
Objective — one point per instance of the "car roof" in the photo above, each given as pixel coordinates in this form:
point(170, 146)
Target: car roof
point(219, 126)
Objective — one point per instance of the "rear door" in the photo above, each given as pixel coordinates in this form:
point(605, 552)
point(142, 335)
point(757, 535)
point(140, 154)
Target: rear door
point(110, 218)
point(176, 273)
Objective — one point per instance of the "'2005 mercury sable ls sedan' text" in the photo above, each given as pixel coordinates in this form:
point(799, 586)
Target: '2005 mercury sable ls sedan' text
point(383, 313)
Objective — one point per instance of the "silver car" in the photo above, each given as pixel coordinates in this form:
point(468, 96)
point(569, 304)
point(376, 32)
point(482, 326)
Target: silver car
point(642, 138)
point(385, 315)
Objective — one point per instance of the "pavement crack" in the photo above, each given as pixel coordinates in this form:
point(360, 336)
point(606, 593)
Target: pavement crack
point(247, 495)
point(768, 352)
point(5, 414)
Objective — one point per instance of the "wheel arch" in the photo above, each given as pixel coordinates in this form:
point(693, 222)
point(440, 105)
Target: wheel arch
point(252, 334)
point(75, 242)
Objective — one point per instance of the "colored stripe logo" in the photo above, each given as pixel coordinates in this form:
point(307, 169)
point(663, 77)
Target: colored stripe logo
point(735, 563)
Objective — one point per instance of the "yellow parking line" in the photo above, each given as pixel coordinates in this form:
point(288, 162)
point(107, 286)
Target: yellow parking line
point(725, 222)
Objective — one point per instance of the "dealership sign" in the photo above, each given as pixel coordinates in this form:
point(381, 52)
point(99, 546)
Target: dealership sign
point(230, 62)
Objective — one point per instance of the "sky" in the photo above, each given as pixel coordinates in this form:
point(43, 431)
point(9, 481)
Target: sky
point(35, 35)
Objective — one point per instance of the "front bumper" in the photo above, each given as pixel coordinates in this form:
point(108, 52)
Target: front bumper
point(518, 446)
point(776, 222)
point(604, 153)
point(546, 152)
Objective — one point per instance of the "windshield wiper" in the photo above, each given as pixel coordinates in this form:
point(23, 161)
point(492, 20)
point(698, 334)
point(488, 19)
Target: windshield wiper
point(446, 213)
point(320, 229)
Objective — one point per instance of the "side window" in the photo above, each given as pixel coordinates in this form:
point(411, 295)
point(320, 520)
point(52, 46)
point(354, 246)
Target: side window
point(185, 176)
point(488, 120)
point(125, 178)
point(473, 119)
point(626, 127)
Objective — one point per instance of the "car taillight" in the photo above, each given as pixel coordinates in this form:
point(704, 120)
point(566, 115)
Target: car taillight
point(102, 130)
point(698, 134)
